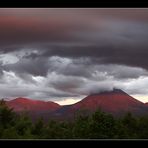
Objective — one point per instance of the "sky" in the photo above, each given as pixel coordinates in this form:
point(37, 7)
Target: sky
point(63, 55)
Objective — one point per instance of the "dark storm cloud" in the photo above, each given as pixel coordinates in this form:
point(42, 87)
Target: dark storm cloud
point(74, 51)
point(110, 36)
point(27, 30)
point(37, 67)
point(26, 77)
point(1, 69)
point(76, 86)
point(119, 71)
point(127, 46)
point(67, 84)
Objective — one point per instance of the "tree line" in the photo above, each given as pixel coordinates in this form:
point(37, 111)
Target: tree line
point(99, 125)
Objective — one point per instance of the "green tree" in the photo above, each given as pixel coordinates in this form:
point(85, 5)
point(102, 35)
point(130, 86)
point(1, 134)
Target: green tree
point(23, 125)
point(102, 125)
point(10, 133)
point(7, 116)
point(38, 128)
point(130, 124)
point(142, 131)
point(81, 127)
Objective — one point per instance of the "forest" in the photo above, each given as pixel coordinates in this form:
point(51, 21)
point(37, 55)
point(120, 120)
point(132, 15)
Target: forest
point(98, 125)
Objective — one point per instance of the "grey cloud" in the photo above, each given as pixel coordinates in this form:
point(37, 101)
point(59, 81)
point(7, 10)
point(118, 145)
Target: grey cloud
point(67, 83)
point(14, 92)
point(26, 77)
point(1, 68)
point(73, 52)
point(120, 46)
point(82, 67)
point(110, 39)
point(93, 87)
point(55, 95)
point(121, 71)
point(37, 67)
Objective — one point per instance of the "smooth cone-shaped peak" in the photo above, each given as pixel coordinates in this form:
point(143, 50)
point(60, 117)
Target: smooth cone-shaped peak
point(115, 102)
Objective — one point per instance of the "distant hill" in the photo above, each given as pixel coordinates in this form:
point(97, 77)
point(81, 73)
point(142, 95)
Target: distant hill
point(35, 108)
point(20, 104)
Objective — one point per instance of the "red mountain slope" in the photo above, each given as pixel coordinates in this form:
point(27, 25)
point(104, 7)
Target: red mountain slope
point(20, 104)
point(112, 101)
point(115, 102)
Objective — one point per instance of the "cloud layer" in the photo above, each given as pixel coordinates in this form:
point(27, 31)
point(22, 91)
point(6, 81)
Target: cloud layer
point(69, 53)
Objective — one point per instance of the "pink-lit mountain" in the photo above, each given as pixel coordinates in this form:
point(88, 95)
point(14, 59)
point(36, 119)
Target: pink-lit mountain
point(116, 102)
point(20, 104)
point(34, 108)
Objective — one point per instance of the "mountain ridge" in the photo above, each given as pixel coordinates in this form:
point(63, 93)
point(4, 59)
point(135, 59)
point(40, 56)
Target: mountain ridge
point(20, 103)
point(116, 102)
